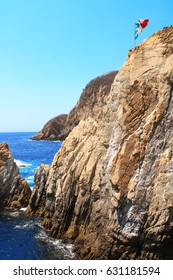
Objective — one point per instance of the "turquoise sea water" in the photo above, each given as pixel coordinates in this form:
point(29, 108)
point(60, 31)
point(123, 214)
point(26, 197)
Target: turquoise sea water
point(29, 153)
point(23, 238)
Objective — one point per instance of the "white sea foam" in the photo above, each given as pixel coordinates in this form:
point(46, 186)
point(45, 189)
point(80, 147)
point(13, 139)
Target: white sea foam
point(22, 164)
point(14, 214)
point(23, 209)
point(30, 179)
point(57, 244)
point(26, 225)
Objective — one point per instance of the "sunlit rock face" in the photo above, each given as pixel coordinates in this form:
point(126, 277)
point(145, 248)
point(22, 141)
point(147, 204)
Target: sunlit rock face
point(14, 191)
point(38, 197)
point(110, 187)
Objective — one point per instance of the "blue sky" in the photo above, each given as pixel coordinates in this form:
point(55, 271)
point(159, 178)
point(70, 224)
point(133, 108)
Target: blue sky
point(50, 50)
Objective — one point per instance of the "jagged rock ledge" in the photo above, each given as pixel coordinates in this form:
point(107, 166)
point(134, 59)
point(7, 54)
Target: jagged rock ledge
point(38, 198)
point(14, 191)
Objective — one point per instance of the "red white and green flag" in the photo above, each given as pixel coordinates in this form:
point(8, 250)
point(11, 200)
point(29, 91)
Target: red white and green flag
point(139, 26)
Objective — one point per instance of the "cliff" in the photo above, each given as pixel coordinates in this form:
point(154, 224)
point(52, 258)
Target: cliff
point(52, 129)
point(109, 188)
point(92, 99)
point(14, 191)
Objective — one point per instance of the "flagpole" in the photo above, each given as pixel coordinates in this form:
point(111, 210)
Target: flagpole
point(134, 34)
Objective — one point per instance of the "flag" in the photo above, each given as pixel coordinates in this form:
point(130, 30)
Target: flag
point(139, 26)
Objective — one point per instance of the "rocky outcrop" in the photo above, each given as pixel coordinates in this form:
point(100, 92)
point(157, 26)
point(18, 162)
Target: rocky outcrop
point(38, 198)
point(92, 99)
point(52, 129)
point(109, 188)
point(14, 191)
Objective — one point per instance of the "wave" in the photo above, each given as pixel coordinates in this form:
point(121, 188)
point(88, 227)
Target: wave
point(13, 214)
point(30, 179)
point(27, 225)
point(45, 141)
point(22, 164)
point(56, 244)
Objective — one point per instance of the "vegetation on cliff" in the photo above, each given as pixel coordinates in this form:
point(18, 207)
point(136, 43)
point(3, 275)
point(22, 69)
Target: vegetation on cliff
point(93, 97)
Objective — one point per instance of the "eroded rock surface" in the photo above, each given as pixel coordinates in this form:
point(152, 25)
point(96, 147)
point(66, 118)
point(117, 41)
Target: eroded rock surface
point(14, 191)
point(38, 197)
point(110, 187)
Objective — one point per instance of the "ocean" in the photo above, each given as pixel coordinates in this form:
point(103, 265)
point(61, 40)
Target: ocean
point(22, 237)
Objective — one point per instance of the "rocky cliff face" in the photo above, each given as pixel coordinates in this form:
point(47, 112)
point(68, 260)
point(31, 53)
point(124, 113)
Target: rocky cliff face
point(109, 188)
point(92, 99)
point(14, 191)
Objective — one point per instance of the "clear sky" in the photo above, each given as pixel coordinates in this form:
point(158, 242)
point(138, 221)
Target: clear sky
point(50, 50)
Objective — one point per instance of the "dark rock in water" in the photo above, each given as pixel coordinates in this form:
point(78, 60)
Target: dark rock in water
point(92, 99)
point(14, 191)
point(110, 186)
